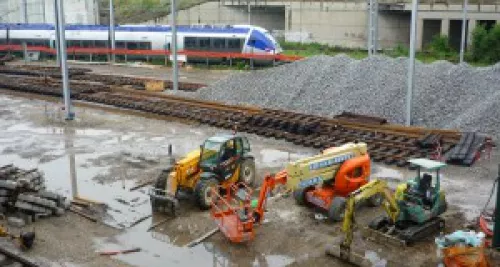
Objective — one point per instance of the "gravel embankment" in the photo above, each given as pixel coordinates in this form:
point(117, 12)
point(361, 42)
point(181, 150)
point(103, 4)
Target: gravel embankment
point(445, 95)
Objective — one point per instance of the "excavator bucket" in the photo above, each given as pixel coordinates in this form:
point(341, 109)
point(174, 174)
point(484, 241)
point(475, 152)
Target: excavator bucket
point(346, 255)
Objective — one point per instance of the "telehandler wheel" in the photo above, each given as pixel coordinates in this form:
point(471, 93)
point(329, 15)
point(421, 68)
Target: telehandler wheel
point(247, 172)
point(203, 194)
point(300, 196)
point(336, 211)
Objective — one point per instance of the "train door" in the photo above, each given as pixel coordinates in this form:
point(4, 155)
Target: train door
point(168, 42)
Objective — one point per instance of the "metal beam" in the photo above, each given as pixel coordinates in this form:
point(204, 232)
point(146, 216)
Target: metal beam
point(464, 27)
point(62, 56)
point(175, 78)
point(112, 30)
point(411, 62)
point(58, 54)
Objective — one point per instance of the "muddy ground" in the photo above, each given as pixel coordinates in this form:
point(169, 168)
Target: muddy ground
point(110, 153)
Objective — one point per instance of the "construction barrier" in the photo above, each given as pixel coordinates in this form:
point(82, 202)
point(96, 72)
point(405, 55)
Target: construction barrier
point(154, 52)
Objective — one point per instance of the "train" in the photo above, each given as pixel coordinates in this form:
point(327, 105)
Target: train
point(205, 38)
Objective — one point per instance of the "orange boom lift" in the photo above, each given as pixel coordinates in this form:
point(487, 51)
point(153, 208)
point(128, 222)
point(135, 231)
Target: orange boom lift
point(234, 213)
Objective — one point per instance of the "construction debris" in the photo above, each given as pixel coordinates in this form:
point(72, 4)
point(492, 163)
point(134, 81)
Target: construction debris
point(23, 192)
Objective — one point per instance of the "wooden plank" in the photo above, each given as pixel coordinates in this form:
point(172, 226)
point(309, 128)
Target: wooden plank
point(158, 224)
point(74, 210)
point(202, 238)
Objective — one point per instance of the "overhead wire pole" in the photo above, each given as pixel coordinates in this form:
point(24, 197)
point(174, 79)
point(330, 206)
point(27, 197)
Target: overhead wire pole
point(24, 11)
point(411, 62)
point(112, 30)
point(375, 26)
point(56, 30)
point(464, 27)
point(175, 79)
point(62, 56)
point(370, 28)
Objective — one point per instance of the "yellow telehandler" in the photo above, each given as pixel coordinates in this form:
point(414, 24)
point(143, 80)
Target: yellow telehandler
point(222, 160)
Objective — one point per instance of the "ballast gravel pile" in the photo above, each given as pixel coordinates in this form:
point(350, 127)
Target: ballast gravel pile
point(445, 95)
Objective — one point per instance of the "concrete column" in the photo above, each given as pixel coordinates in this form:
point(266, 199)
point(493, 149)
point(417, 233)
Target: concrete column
point(420, 34)
point(445, 27)
point(288, 17)
point(471, 27)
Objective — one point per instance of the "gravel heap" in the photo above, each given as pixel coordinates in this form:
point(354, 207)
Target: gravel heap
point(445, 95)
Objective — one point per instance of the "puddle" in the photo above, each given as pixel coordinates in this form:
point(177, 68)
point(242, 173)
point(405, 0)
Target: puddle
point(102, 161)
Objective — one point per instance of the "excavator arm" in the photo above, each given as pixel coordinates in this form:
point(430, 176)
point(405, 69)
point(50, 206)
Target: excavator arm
point(371, 189)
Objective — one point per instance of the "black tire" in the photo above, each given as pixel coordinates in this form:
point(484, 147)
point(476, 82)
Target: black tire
point(247, 172)
point(202, 192)
point(300, 196)
point(336, 211)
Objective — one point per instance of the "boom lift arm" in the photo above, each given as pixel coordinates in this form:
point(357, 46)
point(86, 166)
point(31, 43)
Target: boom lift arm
point(268, 185)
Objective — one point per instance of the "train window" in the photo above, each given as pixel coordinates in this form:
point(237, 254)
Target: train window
point(204, 43)
point(145, 45)
point(73, 43)
point(3, 41)
point(218, 43)
point(87, 44)
point(101, 44)
point(189, 42)
point(120, 45)
point(234, 44)
point(132, 46)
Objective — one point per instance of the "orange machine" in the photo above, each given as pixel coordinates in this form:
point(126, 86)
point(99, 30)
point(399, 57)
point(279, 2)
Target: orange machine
point(330, 195)
point(234, 213)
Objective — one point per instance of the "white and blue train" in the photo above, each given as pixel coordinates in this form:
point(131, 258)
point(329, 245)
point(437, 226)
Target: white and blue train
point(208, 38)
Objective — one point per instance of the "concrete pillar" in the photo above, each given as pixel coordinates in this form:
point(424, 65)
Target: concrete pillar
point(420, 34)
point(471, 27)
point(445, 27)
point(288, 17)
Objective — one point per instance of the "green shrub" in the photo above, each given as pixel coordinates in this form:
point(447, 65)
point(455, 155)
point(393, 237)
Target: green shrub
point(486, 44)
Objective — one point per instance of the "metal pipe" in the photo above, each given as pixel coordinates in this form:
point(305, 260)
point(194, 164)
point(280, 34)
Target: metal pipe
point(464, 26)
point(175, 79)
point(112, 30)
point(62, 56)
point(411, 62)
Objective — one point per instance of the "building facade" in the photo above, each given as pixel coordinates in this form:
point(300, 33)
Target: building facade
point(42, 11)
point(344, 23)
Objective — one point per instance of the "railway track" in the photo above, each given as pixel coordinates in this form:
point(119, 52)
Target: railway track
point(388, 144)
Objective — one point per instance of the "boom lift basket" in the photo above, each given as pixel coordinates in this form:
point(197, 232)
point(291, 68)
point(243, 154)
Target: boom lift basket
point(233, 212)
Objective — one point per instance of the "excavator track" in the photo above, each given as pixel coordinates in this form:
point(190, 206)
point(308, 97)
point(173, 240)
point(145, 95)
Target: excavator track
point(388, 144)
